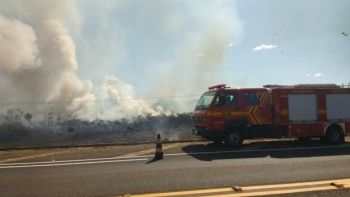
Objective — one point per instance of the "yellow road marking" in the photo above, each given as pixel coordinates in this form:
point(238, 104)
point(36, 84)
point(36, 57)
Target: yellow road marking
point(261, 190)
point(277, 192)
point(296, 184)
point(202, 191)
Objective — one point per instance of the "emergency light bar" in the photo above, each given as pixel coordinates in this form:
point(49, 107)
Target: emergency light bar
point(220, 86)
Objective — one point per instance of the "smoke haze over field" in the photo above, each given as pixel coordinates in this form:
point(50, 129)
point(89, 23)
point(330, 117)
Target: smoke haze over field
point(186, 42)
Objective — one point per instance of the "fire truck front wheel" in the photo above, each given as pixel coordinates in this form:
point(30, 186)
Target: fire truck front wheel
point(233, 138)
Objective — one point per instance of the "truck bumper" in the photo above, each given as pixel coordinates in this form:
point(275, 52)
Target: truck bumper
point(200, 131)
point(206, 133)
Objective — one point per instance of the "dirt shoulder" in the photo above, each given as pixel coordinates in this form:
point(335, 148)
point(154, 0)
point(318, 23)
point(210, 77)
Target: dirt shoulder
point(75, 153)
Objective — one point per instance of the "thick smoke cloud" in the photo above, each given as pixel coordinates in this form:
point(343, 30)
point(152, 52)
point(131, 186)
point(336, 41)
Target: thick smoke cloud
point(18, 47)
point(38, 61)
point(39, 64)
point(114, 99)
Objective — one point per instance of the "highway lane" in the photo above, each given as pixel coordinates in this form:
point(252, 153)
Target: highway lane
point(209, 169)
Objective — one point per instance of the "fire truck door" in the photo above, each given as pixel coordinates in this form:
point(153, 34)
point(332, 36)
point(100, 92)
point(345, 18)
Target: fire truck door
point(226, 106)
point(256, 106)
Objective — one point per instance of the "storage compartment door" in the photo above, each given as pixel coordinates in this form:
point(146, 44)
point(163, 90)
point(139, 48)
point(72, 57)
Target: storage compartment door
point(338, 106)
point(302, 108)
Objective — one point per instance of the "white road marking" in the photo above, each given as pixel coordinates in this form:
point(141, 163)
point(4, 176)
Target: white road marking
point(76, 160)
point(127, 156)
point(33, 156)
point(69, 164)
point(143, 157)
point(152, 150)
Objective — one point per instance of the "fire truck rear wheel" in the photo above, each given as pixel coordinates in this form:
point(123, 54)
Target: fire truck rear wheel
point(233, 138)
point(334, 135)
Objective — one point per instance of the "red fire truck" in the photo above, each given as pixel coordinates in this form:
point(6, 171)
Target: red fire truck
point(230, 115)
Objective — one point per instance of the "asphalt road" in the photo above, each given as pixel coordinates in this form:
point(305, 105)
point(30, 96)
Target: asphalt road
point(192, 166)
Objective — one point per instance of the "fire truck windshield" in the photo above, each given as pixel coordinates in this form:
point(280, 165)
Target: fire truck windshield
point(205, 100)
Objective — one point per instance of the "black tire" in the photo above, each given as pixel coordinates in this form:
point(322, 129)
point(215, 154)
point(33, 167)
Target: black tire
point(334, 135)
point(233, 138)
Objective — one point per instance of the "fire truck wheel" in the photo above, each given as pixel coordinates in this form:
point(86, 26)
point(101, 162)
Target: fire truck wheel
point(233, 138)
point(333, 135)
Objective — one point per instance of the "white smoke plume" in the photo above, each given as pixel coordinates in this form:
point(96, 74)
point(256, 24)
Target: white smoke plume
point(201, 35)
point(18, 49)
point(38, 61)
point(114, 99)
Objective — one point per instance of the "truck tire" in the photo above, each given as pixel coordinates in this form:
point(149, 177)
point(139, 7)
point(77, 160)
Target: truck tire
point(334, 135)
point(233, 138)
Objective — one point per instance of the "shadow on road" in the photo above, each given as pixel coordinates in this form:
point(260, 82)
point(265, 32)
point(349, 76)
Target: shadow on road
point(273, 149)
point(153, 160)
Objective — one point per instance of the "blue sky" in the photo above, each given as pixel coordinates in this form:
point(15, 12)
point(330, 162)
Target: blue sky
point(147, 43)
point(310, 46)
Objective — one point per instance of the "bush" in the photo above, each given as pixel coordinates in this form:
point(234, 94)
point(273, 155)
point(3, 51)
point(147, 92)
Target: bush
point(13, 132)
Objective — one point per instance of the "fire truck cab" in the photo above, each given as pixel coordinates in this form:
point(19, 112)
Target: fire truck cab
point(230, 115)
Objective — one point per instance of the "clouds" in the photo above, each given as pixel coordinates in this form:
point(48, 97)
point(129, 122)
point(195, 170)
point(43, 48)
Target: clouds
point(230, 44)
point(314, 75)
point(318, 75)
point(264, 47)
